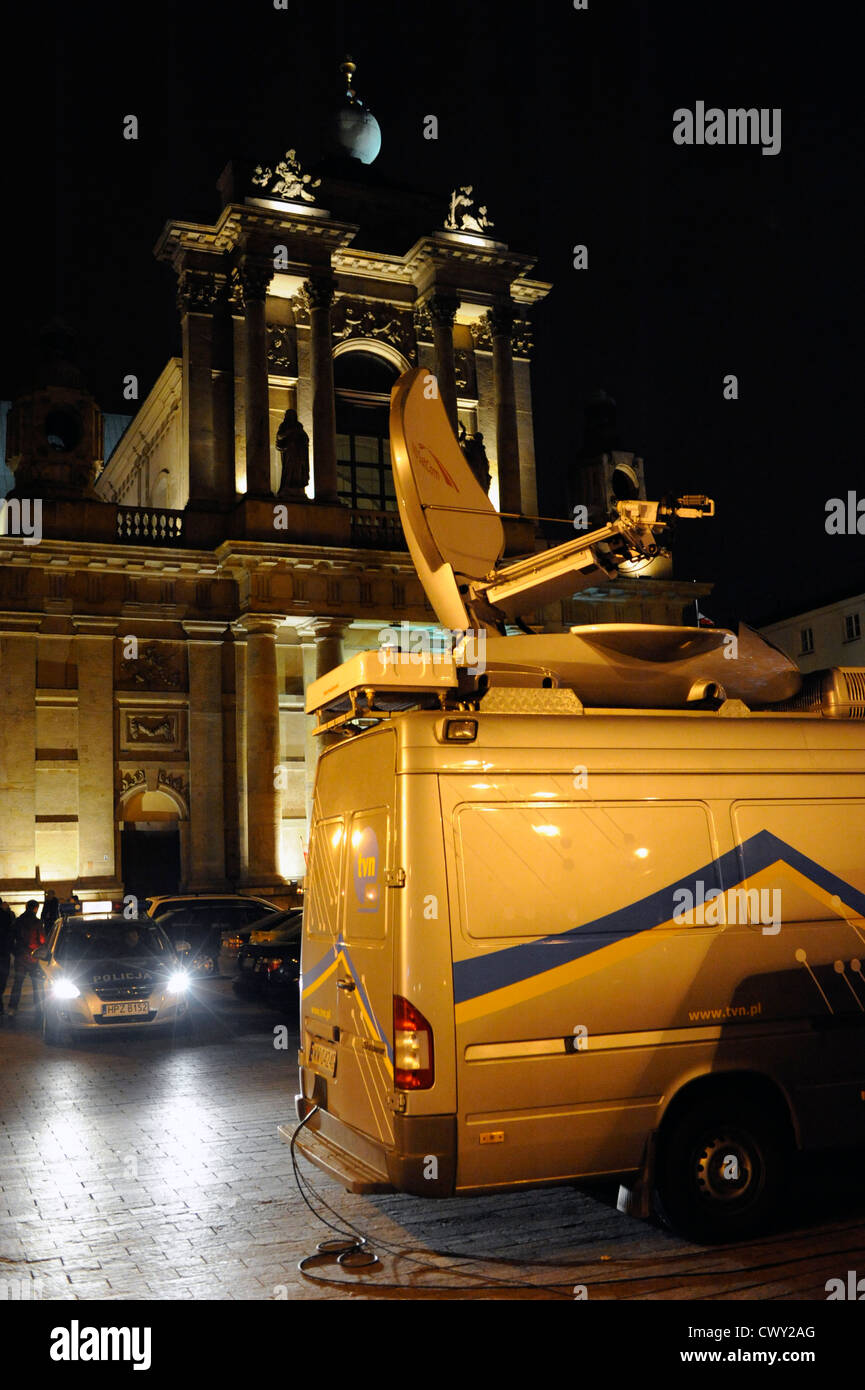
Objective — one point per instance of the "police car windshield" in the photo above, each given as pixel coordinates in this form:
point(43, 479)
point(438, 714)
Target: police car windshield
point(83, 941)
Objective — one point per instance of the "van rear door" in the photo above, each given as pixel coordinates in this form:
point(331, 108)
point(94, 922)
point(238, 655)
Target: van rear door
point(347, 998)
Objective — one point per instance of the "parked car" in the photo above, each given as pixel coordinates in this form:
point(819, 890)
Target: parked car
point(110, 972)
point(269, 964)
point(204, 928)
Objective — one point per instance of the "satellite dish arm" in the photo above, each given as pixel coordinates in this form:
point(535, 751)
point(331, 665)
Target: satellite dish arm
point(512, 590)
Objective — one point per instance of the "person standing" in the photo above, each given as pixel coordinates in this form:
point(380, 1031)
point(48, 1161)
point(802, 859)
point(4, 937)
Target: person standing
point(50, 911)
point(29, 936)
point(7, 946)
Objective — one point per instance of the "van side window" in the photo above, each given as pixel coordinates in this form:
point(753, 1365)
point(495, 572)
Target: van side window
point(322, 904)
point(531, 871)
point(367, 860)
point(805, 858)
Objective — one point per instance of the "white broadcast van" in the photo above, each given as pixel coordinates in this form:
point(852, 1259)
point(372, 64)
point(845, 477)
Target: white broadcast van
point(591, 907)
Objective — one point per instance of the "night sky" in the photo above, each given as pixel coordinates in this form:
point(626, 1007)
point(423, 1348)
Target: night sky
point(702, 261)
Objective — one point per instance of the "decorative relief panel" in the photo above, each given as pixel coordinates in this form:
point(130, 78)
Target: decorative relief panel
point(159, 666)
point(521, 336)
point(175, 780)
point(148, 732)
point(150, 729)
point(363, 318)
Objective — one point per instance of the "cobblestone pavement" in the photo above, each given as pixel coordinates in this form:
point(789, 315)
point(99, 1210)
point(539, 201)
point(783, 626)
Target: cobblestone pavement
point(151, 1168)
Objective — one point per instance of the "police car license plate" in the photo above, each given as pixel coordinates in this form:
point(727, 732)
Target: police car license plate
point(323, 1057)
point(137, 1006)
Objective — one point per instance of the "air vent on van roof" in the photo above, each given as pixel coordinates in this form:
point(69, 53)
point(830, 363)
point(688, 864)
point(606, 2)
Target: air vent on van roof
point(838, 693)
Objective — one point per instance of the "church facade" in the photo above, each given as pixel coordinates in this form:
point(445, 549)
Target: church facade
point(155, 645)
point(243, 539)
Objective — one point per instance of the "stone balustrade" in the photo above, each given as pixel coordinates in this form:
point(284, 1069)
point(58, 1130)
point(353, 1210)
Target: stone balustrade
point(149, 526)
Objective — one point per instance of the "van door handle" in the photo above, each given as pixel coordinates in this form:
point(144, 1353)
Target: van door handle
point(347, 984)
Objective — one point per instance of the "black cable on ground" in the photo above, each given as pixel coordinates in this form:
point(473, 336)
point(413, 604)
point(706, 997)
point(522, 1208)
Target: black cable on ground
point(353, 1250)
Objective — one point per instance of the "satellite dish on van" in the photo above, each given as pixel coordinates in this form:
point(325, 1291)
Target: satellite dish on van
point(456, 540)
point(451, 526)
point(456, 537)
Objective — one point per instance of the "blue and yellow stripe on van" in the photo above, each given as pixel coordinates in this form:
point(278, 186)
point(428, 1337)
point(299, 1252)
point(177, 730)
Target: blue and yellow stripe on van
point(495, 980)
point(338, 957)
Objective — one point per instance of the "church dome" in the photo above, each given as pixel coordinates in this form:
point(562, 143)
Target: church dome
point(355, 131)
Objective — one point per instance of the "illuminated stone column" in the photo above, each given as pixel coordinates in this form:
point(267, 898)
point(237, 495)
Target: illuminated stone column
point(206, 763)
point(311, 750)
point(329, 633)
point(263, 799)
point(322, 651)
point(442, 308)
point(240, 748)
point(238, 349)
point(501, 321)
point(94, 648)
point(319, 292)
point(197, 292)
point(18, 648)
point(254, 276)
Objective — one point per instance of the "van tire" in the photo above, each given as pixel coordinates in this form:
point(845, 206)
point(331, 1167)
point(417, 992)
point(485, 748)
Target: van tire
point(721, 1169)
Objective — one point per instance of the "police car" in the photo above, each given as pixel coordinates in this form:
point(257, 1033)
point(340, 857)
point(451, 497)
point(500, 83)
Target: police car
point(103, 973)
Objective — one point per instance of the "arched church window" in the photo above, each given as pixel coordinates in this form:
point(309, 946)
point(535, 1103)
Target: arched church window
point(362, 384)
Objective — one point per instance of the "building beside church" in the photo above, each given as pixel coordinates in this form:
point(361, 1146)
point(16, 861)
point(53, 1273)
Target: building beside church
point(831, 635)
point(156, 644)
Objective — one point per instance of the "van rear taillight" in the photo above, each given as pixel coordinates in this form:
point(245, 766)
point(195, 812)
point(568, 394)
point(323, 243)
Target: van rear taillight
point(412, 1047)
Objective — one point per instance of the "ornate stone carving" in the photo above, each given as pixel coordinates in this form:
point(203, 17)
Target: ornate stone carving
point(281, 349)
point(154, 669)
point(128, 780)
point(501, 320)
point(197, 291)
point(362, 318)
point(175, 780)
point(521, 338)
point(254, 276)
point(156, 729)
point(320, 291)
point(287, 180)
point(460, 208)
point(423, 324)
point(300, 307)
point(234, 294)
point(442, 309)
point(292, 441)
point(521, 335)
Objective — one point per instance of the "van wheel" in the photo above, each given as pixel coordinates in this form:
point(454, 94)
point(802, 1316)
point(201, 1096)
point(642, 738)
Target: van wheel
point(721, 1170)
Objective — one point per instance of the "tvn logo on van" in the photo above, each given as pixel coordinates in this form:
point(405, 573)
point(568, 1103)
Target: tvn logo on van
point(364, 844)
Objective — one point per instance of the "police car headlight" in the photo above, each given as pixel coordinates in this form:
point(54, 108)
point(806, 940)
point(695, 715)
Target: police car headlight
point(65, 989)
point(177, 982)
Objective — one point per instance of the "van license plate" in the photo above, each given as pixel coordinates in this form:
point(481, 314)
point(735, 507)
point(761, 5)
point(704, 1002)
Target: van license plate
point(141, 1006)
point(323, 1057)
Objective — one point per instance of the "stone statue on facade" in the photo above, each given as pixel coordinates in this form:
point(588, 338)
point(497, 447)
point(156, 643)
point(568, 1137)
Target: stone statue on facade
point(292, 441)
point(288, 181)
point(466, 221)
point(475, 455)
